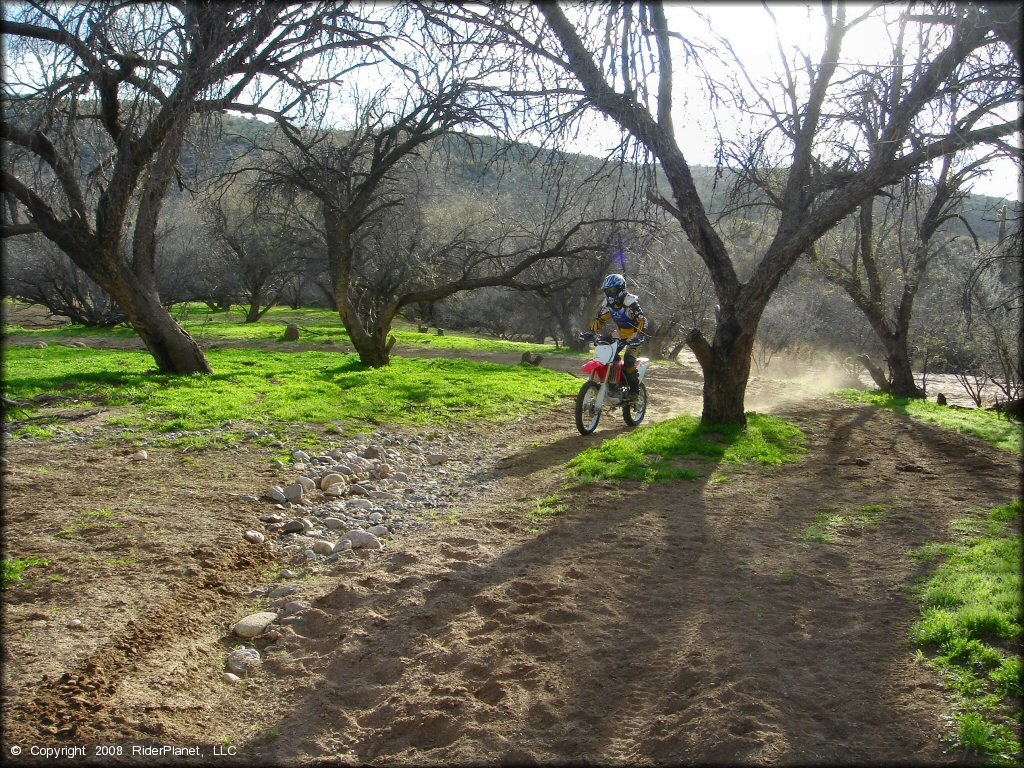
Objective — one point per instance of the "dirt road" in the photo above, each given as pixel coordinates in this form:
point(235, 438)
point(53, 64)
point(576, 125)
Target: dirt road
point(675, 623)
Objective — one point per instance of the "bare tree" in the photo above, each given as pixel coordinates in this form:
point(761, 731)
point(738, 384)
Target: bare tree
point(618, 60)
point(38, 272)
point(93, 130)
point(260, 250)
point(883, 265)
point(389, 246)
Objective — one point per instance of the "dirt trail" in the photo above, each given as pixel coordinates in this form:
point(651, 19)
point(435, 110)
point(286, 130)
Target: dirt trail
point(642, 624)
point(665, 624)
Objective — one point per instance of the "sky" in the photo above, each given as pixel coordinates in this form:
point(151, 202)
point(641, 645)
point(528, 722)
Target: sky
point(752, 33)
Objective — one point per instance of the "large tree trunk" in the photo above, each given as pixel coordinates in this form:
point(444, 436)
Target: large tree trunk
point(174, 350)
point(902, 383)
point(726, 367)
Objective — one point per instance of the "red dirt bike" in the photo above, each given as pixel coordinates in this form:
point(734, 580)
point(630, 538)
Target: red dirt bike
point(607, 384)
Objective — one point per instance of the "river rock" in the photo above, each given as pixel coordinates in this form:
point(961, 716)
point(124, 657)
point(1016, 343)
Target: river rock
point(338, 489)
point(342, 546)
point(231, 677)
point(400, 477)
point(293, 526)
point(140, 456)
point(373, 452)
point(282, 591)
point(375, 517)
point(307, 484)
point(243, 661)
point(323, 547)
point(300, 456)
point(354, 505)
point(255, 537)
point(294, 492)
point(379, 530)
point(361, 539)
point(276, 493)
point(332, 478)
point(333, 523)
point(254, 624)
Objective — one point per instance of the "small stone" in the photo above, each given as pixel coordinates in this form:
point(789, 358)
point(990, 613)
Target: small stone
point(255, 537)
point(358, 490)
point(331, 478)
point(309, 554)
point(375, 517)
point(276, 493)
point(400, 477)
point(354, 505)
point(323, 547)
point(254, 624)
point(307, 484)
point(273, 517)
point(40, 345)
point(140, 456)
point(231, 677)
point(282, 591)
point(293, 526)
point(361, 540)
point(287, 573)
point(300, 456)
point(278, 464)
point(338, 489)
point(379, 530)
point(74, 624)
point(294, 493)
point(373, 452)
point(243, 661)
point(333, 523)
point(342, 546)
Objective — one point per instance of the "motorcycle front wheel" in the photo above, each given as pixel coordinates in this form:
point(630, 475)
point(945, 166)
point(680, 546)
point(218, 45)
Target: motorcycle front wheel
point(587, 413)
point(633, 413)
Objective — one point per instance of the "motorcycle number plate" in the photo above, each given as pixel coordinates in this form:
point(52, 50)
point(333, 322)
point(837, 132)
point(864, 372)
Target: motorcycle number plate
point(604, 353)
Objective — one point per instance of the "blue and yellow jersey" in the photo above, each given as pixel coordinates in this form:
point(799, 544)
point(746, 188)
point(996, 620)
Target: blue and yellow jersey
point(628, 316)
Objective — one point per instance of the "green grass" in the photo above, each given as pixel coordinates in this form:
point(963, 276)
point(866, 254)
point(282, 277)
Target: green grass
point(316, 326)
point(971, 614)
point(659, 453)
point(12, 569)
point(986, 425)
point(829, 523)
point(546, 507)
point(260, 388)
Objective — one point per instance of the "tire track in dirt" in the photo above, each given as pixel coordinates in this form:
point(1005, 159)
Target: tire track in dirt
point(82, 704)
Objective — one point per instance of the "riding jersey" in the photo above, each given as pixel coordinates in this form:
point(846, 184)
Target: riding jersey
point(628, 316)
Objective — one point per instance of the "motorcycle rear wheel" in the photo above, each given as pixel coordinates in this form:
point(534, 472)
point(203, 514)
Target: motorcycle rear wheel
point(587, 414)
point(633, 413)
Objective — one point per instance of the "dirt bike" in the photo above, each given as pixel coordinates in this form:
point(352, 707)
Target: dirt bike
point(607, 384)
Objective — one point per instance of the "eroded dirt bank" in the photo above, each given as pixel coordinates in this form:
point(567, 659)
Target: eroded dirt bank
point(653, 624)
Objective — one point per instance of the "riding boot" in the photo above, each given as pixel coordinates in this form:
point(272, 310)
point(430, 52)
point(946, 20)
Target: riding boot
point(633, 380)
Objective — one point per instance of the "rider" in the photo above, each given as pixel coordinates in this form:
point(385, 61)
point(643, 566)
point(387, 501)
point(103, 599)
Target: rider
point(624, 309)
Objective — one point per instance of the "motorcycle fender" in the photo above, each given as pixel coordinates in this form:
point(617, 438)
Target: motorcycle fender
point(592, 366)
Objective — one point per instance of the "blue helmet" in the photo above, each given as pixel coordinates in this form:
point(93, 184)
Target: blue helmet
point(614, 287)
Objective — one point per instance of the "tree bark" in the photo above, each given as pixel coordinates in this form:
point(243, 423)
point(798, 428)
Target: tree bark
point(726, 367)
point(901, 374)
point(173, 349)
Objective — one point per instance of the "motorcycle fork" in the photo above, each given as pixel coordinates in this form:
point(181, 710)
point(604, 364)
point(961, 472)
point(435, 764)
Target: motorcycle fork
point(603, 392)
